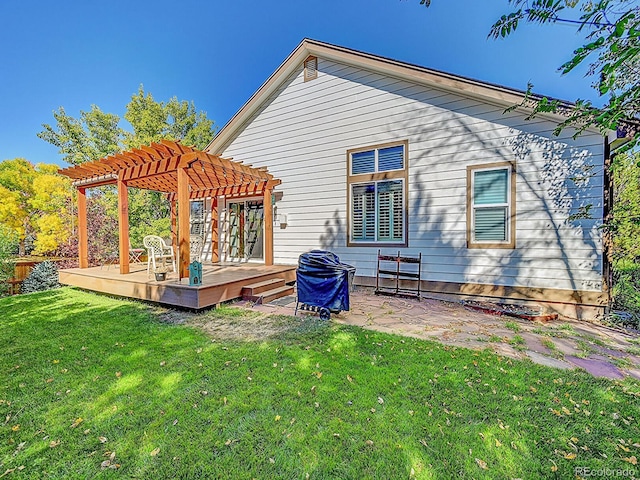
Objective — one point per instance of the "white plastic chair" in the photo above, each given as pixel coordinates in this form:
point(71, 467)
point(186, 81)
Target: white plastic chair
point(196, 245)
point(157, 250)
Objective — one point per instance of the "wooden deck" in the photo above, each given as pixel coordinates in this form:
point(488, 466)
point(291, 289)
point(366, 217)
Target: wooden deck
point(219, 283)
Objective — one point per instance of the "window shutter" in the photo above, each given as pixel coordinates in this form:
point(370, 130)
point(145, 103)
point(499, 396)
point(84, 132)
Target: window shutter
point(490, 224)
point(363, 212)
point(391, 158)
point(390, 210)
point(363, 162)
point(310, 68)
point(490, 187)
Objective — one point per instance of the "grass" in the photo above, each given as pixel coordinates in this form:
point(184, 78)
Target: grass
point(511, 325)
point(93, 387)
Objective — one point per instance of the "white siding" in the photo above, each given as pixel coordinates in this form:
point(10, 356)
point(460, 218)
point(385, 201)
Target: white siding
point(302, 135)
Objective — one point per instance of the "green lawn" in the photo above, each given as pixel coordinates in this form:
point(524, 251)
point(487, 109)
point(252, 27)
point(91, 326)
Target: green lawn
point(97, 387)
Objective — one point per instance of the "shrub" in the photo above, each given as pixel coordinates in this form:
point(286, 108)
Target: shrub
point(44, 276)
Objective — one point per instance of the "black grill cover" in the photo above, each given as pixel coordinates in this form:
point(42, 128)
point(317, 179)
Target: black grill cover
point(323, 281)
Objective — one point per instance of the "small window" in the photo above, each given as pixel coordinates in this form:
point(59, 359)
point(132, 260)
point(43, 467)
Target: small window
point(490, 206)
point(377, 195)
point(196, 219)
point(310, 68)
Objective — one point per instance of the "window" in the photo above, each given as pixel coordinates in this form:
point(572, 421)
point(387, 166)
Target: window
point(491, 206)
point(377, 183)
point(196, 219)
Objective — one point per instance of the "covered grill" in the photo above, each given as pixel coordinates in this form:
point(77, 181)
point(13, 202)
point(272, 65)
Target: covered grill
point(323, 283)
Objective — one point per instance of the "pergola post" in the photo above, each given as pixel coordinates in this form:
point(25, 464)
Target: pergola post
point(123, 225)
point(268, 226)
point(215, 245)
point(83, 239)
point(174, 223)
point(183, 222)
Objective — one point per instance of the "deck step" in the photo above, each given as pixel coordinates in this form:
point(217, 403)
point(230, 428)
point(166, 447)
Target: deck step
point(271, 295)
point(255, 289)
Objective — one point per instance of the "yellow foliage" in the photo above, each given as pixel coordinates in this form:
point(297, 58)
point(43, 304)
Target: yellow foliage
point(51, 232)
point(12, 215)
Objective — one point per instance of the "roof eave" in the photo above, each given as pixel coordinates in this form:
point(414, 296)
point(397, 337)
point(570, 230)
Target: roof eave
point(404, 71)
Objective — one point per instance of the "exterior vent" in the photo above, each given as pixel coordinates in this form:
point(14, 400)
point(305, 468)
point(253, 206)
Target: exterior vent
point(310, 68)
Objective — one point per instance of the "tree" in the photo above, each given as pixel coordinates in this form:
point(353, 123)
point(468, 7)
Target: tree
point(612, 47)
point(97, 134)
point(33, 204)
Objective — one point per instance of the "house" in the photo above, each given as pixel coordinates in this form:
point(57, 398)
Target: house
point(376, 154)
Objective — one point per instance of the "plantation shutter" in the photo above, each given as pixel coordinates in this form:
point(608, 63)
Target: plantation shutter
point(390, 210)
point(363, 221)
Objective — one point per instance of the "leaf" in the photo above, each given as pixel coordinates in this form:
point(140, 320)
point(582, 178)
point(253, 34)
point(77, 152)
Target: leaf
point(54, 443)
point(350, 378)
point(118, 374)
point(155, 451)
point(632, 460)
point(570, 456)
point(15, 428)
point(380, 400)
point(103, 439)
point(498, 444)
point(77, 422)
point(278, 417)
point(482, 464)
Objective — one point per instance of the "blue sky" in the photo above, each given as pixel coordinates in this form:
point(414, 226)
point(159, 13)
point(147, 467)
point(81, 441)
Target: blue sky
point(75, 53)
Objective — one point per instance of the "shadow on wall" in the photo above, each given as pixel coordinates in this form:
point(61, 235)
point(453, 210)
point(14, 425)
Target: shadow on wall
point(554, 182)
point(335, 234)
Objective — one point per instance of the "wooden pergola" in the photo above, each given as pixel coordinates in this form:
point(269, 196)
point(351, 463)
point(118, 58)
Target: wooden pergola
point(183, 173)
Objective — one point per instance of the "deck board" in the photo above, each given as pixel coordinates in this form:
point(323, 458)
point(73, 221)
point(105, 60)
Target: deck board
point(220, 283)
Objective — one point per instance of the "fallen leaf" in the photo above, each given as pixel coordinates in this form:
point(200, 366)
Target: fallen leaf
point(175, 422)
point(54, 443)
point(56, 361)
point(349, 378)
point(77, 422)
point(570, 456)
point(482, 464)
point(155, 452)
point(278, 417)
point(271, 460)
point(15, 428)
point(632, 460)
point(118, 374)
point(103, 439)
point(369, 442)
point(163, 363)
point(380, 400)
point(498, 444)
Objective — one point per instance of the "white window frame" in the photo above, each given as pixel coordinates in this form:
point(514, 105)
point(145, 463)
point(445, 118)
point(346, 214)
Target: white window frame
point(509, 205)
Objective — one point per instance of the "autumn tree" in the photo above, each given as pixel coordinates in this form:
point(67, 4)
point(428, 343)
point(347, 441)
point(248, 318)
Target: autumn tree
point(34, 204)
point(96, 134)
